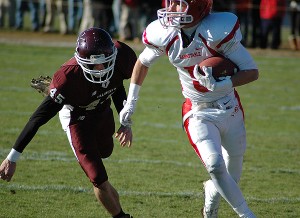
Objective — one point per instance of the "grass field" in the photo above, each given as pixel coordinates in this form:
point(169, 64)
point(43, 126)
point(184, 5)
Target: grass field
point(160, 176)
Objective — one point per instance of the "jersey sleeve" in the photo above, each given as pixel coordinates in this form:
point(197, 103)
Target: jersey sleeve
point(47, 109)
point(155, 39)
point(125, 60)
point(57, 87)
point(65, 83)
point(221, 32)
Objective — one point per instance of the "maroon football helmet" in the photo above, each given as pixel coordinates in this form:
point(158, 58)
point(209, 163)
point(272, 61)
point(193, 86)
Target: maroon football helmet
point(190, 12)
point(95, 46)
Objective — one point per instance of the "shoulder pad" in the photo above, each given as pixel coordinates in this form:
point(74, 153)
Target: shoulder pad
point(220, 28)
point(155, 35)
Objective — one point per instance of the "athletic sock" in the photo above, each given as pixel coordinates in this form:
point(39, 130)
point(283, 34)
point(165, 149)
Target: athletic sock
point(119, 215)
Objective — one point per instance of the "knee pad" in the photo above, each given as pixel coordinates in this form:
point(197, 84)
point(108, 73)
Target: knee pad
point(215, 165)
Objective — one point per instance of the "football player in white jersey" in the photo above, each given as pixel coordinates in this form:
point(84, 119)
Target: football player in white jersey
point(188, 33)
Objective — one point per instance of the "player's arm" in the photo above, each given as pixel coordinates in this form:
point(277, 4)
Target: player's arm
point(42, 115)
point(139, 73)
point(118, 97)
point(248, 70)
point(228, 43)
point(124, 133)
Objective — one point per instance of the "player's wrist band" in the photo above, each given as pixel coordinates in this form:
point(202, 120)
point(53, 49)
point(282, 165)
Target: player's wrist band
point(13, 155)
point(133, 91)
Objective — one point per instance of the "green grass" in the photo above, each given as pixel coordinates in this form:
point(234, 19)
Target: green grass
point(160, 176)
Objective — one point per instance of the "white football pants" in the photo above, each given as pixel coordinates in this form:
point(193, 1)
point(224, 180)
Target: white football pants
point(221, 145)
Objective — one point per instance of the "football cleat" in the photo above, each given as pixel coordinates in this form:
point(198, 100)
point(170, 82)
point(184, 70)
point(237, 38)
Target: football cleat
point(126, 216)
point(208, 214)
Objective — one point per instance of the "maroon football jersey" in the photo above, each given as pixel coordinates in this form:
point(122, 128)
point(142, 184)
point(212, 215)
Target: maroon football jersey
point(69, 85)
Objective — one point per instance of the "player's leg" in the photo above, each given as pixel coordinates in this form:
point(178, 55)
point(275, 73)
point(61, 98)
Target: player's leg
point(234, 146)
point(193, 128)
point(211, 200)
point(84, 137)
point(109, 197)
point(205, 138)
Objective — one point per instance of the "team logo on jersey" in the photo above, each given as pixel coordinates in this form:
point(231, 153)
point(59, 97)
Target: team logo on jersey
point(105, 84)
point(190, 55)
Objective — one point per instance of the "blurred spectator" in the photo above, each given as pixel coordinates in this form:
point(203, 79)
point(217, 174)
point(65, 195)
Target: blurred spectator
point(21, 7)
point(74, 15)
point(294, 38)
point(129, 20)
point(42, 13)
point(97, 13)
point(87, 20)
point(242, 9)
point(148, 12)
point(222, 5)
point(56, 8)
point(8, 7)
point(271, 14)
point(116, 7)
point(103, 15)
point(255, 23)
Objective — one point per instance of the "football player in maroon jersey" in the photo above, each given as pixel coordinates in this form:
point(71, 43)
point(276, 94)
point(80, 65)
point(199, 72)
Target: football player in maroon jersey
point(81, 91)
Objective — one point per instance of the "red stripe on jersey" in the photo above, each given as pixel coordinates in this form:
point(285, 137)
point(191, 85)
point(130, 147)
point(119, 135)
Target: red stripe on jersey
point(212, 51)
point(171, 43)
point(230, 35)
point(239, 101)
point(146, 41)
point(196, 83)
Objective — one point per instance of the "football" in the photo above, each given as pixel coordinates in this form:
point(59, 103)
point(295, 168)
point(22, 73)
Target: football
point(221, 66)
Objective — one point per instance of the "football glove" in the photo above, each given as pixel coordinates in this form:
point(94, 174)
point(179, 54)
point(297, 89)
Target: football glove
point(127, 111)
point(41, 84)
point(129, 105)
point(205, 78)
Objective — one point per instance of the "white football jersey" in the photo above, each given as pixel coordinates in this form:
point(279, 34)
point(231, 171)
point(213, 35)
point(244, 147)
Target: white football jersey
point(217, 34)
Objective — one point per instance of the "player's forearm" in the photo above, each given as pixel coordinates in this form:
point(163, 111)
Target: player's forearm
point(47, 109)
point(244, 77)
point(139, 73)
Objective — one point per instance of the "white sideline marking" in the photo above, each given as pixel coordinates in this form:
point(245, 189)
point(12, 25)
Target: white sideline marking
point(136, 193)
point(292, 108)
point(64, 157)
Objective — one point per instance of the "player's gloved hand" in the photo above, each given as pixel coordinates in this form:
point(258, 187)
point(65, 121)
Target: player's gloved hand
point(129, 105)
point(127, 111)
point(205, 78)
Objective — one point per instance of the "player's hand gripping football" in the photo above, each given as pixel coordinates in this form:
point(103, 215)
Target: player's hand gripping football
point(7, 170)
point(124, 135)
point(41, 84)
point(204, 76)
